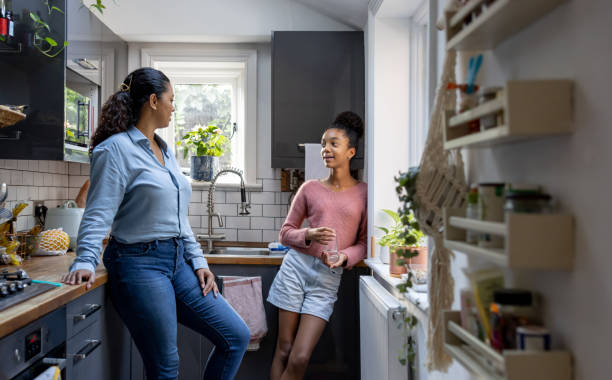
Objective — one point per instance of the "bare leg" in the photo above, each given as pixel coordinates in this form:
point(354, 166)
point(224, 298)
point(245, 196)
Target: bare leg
point(287, 325)
point(308, 335)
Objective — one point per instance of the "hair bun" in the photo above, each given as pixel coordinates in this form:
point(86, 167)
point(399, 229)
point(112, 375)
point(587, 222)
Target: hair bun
point(351, 121)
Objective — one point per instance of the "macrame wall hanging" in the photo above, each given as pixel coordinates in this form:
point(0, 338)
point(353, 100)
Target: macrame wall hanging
point(440, 183)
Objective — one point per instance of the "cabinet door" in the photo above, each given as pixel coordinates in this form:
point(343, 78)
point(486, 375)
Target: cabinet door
point(85, 353)
point(315, 76)
point(30, 78)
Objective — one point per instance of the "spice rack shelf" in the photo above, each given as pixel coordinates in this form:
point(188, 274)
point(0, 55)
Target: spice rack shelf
point(483, 361)
point(498, 21)
point(531, 241)
point(531, 109)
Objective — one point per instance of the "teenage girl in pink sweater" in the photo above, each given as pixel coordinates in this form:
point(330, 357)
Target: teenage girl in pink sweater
point(306, 286)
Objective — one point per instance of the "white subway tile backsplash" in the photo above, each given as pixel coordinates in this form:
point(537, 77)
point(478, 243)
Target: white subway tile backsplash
point(219, 197)
point(262, 223)
point(278, 223)
point(256, 210)
point(197, 209)
point(263, 198)
point(84, 169)
point(77, 181)
point(227, 209)
point(39, 179)
point(285, 198)
point(194, 221)
point(238, 222)
point(196, 196)
point(10, 164)
point(33, 165)
point(249, 235)
point(272, 210)
point(74, 168)
point(22, 165)
point(47, 179)
point(270, 236)
point(43, 166)
point(16, 177)
point(28, 178)
point(232, 197)
point(271, 185)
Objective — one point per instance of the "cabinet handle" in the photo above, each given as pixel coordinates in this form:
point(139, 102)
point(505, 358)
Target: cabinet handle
point(92, 308)
point(84, 352)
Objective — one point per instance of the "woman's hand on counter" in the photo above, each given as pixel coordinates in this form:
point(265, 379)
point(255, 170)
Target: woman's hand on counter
point(207, 281)
point(339, 263)
point(78, 276)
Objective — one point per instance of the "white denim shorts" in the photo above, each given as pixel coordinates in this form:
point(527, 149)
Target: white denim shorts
point(305, 285)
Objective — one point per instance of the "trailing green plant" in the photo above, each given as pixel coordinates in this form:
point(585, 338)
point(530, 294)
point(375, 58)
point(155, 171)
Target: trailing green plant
point(42, 33)
point(207, 141)
point(398, 235)
point(407, 353)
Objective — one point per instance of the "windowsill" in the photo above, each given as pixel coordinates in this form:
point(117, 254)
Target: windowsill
point(415, 302)
point(201, 185)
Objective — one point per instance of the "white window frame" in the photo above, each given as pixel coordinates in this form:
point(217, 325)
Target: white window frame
point(150, 56)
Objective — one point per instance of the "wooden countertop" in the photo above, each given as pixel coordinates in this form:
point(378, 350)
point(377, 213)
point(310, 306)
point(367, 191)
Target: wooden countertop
point(48, 268)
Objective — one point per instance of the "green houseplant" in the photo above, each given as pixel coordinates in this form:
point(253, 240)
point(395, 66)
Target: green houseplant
point(206, 144)
point(404, 240)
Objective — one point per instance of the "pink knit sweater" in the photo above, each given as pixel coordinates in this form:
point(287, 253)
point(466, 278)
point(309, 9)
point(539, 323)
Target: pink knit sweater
point(344, 211)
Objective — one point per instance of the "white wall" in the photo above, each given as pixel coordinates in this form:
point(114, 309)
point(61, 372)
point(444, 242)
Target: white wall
point(570, 42)
point(211, 20)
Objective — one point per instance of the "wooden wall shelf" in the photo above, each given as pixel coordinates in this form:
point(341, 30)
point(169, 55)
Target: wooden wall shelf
point(500, 20)
point(531, 109)
point(483, 361)
point(531, 241)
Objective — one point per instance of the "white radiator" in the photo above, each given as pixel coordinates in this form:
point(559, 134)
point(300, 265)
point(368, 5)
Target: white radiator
point(381, 339)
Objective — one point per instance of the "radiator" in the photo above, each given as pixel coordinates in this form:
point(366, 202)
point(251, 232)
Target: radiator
point(381, 339)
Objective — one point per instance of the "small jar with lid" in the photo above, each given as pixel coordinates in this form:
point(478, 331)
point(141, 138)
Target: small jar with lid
point(510, 309)
point(528, 201)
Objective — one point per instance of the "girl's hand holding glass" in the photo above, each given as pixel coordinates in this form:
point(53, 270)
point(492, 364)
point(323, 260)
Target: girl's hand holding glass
point(330, 255)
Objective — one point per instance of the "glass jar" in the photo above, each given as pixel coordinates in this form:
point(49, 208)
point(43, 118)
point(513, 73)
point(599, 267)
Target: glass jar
point(486, 95)
point(528, 201)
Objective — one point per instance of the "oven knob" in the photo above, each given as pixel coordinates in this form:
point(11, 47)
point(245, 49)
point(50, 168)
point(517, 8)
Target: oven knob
point(17, 355)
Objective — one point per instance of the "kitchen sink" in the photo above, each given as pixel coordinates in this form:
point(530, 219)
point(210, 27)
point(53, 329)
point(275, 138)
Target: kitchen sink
point(240, 251)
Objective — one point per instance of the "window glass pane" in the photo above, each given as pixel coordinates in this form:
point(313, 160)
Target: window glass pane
point(201, 105)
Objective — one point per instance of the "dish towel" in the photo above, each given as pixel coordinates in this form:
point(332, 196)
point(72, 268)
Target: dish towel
point(51, 373)
point(314, 167)
point(244, 295)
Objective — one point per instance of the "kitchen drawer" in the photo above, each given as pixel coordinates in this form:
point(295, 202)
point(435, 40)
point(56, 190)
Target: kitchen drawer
point(85, 352)
point(84, 311)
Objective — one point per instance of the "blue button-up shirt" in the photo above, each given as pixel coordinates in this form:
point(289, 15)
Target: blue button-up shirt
point(142, 199)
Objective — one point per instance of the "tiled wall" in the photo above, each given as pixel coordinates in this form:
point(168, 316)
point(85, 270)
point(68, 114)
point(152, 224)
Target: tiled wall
point(57, 181)
point(50, 181)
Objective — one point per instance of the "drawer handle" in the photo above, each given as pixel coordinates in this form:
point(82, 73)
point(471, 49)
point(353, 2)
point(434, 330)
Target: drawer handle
point(91, 308)
point(90, 347)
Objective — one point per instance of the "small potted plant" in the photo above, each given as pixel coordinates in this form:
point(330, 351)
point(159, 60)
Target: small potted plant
point(206, 144)
point(405, 244)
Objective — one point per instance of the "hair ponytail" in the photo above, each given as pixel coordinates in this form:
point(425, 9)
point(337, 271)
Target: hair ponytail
point(123, 108)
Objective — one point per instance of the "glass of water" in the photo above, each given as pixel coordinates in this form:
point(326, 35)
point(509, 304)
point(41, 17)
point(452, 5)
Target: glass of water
point(331, 249)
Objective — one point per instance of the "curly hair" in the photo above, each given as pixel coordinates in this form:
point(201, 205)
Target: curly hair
point(123, 108)
point(351, 124)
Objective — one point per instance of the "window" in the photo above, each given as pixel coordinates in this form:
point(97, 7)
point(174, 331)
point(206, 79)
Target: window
point(212, 87)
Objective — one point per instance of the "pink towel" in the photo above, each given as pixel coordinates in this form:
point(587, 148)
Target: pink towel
point(244, 294)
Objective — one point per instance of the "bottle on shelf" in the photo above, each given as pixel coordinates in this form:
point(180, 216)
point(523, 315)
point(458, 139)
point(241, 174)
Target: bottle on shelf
point(3, 21)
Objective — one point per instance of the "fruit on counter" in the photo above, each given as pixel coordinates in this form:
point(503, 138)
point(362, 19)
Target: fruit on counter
point(53, 242)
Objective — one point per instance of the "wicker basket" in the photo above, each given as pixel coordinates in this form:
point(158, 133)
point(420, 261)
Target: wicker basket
point(9, 117)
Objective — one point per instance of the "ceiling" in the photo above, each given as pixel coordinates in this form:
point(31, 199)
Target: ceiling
point(350, 12)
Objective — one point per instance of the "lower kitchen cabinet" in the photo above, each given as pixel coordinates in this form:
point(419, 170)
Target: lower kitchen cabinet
point(336, 356)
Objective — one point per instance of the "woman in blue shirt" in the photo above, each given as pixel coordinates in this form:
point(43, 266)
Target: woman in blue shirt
point(157, 273)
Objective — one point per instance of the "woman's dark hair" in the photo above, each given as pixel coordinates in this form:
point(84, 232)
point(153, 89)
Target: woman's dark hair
point(123, 108)
point(351, 124)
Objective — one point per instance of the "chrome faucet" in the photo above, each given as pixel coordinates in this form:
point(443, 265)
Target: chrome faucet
point(244, 207)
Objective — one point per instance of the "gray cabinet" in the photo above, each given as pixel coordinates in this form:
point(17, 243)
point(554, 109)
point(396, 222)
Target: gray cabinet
point(315, 76)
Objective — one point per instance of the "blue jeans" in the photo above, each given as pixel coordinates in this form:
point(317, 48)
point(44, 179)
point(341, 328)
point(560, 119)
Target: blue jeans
point(152, 287)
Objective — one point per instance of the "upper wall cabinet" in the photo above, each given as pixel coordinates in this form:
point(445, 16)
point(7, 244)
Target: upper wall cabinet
point(315, 76)
point(63, 93)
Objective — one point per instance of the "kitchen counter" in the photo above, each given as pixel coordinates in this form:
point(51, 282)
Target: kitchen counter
point(48, 268)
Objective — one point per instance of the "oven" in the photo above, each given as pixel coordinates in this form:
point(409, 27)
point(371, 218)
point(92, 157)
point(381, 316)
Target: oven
point(29, 351)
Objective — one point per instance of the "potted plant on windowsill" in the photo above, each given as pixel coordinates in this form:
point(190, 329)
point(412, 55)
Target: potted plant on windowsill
point(404, 241)
point(206, 144)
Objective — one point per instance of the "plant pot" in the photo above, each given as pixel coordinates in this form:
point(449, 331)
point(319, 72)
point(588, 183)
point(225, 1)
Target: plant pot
point(204, 168)
point(384, 254)
point(397, 270)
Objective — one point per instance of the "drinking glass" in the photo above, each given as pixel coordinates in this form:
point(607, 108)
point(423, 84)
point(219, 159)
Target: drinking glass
point(331, 249)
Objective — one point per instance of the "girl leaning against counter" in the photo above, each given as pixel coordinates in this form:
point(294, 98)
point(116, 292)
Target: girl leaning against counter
point(306, 286)
point(156, 270)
